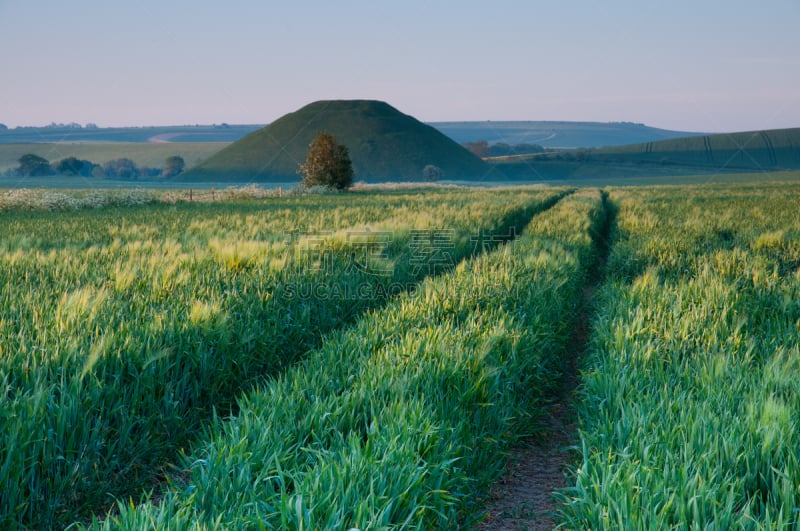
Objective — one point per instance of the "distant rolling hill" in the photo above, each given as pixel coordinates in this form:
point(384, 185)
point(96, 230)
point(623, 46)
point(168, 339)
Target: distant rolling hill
point(384, 145)
point(271, 154)
point(547, 134)
point(557, 134)
point(156, 134)
point(753, 151)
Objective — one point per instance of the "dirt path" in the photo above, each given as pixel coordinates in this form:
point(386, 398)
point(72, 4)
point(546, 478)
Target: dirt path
point(523, 497)
point(163, 138)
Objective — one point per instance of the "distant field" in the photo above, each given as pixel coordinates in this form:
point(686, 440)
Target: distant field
point(557, 134)
point(711, 155)
point(617, 177)
point(548, 134)
point(734, 157)
point(172, 133)
point(621, 174)
point(150, 154)
point(777, 148)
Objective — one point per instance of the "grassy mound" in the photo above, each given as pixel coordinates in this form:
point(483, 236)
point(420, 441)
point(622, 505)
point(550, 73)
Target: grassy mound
point(384, 144)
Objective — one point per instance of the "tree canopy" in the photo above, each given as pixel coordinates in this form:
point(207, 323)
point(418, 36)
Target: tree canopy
point(432, 172)
point(31, 165)
point(74, 166)
point(173, 166)
point(327, 164)
point(123, 168)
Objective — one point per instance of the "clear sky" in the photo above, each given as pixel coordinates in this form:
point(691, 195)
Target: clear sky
point(700, 65)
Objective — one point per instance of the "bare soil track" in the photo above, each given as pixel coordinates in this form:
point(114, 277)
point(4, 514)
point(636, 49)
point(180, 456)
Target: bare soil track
point(523, 497)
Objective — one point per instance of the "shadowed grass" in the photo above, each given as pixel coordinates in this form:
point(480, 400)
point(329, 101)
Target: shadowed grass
point(400, 420)
point(123, 328)
point(690, 403)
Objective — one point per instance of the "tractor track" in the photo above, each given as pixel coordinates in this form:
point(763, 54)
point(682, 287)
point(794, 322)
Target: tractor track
point(523, 497)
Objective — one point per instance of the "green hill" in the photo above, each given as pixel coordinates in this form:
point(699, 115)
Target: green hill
point(557, 134)
point(753, 151)
point(384, 144)
point(128, 135)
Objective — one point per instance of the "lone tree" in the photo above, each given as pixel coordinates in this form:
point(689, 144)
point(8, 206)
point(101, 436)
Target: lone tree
point(432, 173)
point(327, 164)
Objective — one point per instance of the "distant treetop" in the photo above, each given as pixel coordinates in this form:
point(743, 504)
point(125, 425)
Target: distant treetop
point(31, 165)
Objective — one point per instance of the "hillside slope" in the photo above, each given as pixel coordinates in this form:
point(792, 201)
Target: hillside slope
point(557, 134)
point(547, 134)
point(384, 144)
point(752, 151)
point(104, 135)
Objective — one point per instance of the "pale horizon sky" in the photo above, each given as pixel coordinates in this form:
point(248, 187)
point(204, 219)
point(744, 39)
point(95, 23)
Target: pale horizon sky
point(691, 65)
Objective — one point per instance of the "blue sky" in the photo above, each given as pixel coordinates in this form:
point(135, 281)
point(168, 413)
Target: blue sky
point(701, 65)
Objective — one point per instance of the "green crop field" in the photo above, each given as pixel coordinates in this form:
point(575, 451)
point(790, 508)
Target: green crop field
point(691, 397)
point(123, 329)
point(366, 360)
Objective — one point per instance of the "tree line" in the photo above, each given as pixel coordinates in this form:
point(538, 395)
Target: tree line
point(31, 165)
point(483, 149)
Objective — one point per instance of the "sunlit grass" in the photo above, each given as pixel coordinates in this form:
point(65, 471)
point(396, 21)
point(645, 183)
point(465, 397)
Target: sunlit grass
point(124, 328)
point(401, 420)
point(691, 403)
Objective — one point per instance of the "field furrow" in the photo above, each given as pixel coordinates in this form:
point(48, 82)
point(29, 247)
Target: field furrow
point(773, 159)
point(523, 498)
point(690, 402)
point(124, 329)
point(401, 420)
